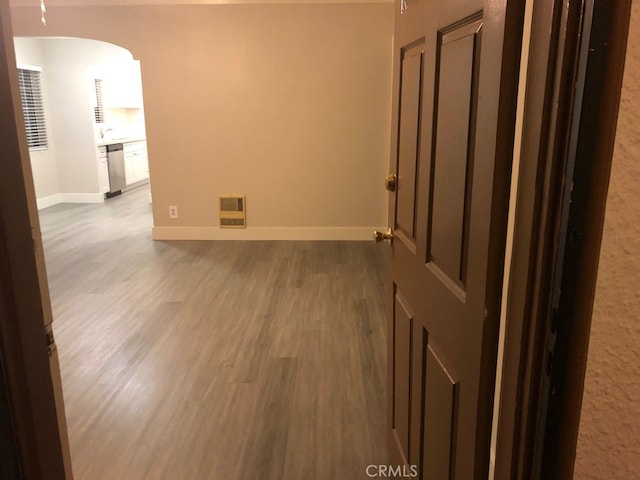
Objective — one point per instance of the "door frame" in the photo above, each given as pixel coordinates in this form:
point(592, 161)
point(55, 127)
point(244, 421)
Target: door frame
point(571, 108)
point(37, 448)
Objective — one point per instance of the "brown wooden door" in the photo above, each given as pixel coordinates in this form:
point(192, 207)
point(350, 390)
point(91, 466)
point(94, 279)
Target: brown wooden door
point(452, 136)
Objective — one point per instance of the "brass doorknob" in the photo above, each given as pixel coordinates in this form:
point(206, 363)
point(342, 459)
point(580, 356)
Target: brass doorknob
point(380, 236)
point(390, 182)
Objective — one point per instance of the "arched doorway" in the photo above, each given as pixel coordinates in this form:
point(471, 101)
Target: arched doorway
point(91, 98)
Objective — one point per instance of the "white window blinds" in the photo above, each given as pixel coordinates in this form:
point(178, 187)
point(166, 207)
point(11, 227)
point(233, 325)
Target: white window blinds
point(32, 108)
point(98, 110)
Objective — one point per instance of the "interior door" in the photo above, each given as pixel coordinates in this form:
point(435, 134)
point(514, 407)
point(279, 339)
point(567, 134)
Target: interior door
point(452, 137)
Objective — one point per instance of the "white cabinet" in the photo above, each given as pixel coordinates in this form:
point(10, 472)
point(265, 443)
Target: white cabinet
point(136, 163)
point(122, 86)
point(103, 169)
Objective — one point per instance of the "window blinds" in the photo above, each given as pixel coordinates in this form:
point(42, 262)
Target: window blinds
point(99, 108)
point(32, 108)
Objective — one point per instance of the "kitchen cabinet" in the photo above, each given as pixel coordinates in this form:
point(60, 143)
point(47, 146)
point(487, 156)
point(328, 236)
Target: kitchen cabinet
point(103, 169)
point(122, 86)
point(136, 162)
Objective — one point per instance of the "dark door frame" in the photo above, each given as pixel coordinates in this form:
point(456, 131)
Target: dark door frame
point(550, 113)
point(591, 146)
point(576, 65)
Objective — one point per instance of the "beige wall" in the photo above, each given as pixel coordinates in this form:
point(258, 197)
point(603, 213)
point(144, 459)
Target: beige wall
point(288, 104)
point(609, 438)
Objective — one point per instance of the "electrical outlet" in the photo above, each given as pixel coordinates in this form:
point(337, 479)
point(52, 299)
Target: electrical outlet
point(173, 211)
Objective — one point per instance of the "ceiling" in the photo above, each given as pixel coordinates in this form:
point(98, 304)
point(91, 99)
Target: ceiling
point(80, 3)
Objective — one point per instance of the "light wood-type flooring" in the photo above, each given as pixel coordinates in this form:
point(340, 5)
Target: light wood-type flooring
point(214, 360)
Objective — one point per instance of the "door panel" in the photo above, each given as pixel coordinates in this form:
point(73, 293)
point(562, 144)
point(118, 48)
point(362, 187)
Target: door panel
point(440, 418)
point(401, 365)
point(452, 165)
point(418, 370)
point(408, 145)
point(443, 271)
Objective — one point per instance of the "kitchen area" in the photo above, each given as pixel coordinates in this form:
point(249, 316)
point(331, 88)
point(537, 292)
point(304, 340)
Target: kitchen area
point(94, 113)
point(121, 146)
point(122, 165)
point(119, 127)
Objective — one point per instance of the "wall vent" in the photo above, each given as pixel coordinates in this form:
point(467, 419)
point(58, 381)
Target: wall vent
point(232, 211)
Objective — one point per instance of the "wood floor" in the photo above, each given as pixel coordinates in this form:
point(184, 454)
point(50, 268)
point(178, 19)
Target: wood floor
point(214, 360)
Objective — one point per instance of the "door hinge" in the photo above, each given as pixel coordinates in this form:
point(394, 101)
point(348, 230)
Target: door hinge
point(51, 342)
point(554, 320)
point(549, 364)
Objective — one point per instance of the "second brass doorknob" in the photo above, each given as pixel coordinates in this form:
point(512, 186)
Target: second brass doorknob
point(390, 182)
point(380, 236)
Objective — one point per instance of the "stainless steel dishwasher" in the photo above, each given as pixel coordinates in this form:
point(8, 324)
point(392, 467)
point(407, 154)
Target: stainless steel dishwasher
point(115, 159)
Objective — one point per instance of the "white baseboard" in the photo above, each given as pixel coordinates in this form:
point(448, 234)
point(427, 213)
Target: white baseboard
point(82, 197)
point(51, 200)
point(263, 233)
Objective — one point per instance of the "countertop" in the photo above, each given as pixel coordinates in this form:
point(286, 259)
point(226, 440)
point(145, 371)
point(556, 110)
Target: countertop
point(105, 142)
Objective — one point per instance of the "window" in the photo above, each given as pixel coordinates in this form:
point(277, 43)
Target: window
point(32, 108)
point(98, 110)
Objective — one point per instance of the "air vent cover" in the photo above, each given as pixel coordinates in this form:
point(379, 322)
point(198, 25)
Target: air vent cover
point(232, 211)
